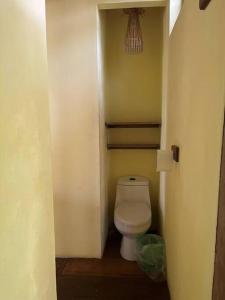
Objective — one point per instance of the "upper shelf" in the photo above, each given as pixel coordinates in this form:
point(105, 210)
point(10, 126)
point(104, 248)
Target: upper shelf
point(134, 146)
point(115, 4)
point(132, 125)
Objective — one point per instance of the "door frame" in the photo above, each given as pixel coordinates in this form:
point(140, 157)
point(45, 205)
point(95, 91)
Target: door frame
point(218, 292)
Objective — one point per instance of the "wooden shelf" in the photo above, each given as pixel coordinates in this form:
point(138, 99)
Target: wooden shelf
point(133, 146)
point(133, 125)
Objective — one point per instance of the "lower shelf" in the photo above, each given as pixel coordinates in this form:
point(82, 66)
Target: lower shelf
point(133, 146)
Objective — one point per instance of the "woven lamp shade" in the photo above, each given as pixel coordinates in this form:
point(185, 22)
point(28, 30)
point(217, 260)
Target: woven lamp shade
point(134, 42)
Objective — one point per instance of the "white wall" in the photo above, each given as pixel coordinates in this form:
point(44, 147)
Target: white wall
point(72, 54)
point(165, 61)
point(27, 258)
point(101, 47)
point(175, 8)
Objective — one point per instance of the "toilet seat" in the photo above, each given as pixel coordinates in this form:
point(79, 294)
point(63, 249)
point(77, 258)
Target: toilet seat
point(133, 214)
point(132, 217)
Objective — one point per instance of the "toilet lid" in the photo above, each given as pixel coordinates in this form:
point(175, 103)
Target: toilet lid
point(133, 213)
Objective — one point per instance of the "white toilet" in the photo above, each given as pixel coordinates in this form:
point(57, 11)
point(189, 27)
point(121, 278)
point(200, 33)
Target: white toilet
point(132, 215)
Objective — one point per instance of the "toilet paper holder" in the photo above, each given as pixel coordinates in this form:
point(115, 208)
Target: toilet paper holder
point(166, 159)
point(176, 153)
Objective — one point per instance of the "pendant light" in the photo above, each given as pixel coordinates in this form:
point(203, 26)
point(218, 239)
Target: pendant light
point(134, 41)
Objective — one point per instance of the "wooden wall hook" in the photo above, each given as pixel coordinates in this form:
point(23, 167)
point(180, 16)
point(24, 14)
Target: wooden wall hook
point(176, 153)
point(203, 4)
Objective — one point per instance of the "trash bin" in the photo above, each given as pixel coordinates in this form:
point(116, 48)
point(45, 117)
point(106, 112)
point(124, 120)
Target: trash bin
point(151, 256)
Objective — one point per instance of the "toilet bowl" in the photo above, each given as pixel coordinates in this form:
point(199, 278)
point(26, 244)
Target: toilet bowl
point(132, 214)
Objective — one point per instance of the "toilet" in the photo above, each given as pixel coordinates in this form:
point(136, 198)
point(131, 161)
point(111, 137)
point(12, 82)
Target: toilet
point(132, 214)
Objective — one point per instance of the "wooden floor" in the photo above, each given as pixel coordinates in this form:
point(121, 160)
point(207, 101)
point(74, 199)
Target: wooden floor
point(111, 278)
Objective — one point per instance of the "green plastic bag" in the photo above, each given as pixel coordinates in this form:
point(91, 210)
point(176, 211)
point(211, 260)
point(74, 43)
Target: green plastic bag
point(151, 256)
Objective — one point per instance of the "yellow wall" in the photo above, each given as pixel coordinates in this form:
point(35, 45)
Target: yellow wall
point(195, 118)
point(133, 93)
point(26, 215)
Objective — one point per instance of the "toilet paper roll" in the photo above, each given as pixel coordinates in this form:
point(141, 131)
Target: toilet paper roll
point(164, 160)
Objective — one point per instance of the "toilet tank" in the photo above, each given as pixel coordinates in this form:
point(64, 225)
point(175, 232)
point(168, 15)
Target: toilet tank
point(133, 188)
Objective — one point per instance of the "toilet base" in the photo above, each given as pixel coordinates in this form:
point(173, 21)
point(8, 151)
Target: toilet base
point(128, 248)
